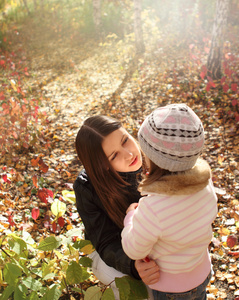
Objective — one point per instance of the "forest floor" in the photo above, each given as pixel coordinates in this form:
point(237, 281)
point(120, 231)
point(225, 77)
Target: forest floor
point(78, 77)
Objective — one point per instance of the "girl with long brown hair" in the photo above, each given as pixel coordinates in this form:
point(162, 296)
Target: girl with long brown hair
point(104, 189)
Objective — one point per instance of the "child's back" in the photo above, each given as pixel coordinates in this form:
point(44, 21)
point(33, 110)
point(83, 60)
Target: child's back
point(172, 224)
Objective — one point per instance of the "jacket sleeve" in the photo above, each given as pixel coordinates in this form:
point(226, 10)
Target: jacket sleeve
point(104, 235)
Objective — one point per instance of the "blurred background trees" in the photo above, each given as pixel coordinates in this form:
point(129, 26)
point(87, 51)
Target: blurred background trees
point(183, 19)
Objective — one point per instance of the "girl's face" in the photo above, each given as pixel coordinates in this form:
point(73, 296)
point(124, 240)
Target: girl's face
point(122, 151)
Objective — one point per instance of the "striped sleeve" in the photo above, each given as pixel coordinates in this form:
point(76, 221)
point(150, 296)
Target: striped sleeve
point(141, 231)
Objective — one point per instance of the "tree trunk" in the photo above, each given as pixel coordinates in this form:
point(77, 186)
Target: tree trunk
point(215, 54)
point(35, 4)
point(26, 6)
point(97, 17)
point(140, 48)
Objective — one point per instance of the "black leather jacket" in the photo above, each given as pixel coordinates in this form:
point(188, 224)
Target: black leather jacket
point(103, 233)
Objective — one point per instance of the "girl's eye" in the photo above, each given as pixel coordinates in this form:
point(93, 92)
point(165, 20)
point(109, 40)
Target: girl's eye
point(125, 140)
point(114, 156)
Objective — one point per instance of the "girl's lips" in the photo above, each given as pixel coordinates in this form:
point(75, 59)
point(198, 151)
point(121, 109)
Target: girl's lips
point(135, 160)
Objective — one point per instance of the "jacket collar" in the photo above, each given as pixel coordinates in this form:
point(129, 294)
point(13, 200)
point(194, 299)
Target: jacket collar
point(181, 183)
point(132, 178)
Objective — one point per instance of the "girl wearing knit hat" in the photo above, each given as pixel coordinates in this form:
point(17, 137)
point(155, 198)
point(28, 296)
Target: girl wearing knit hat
point(172, 223)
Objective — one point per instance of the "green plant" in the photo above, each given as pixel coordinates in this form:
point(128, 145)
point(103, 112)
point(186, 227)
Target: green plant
point(57, 264)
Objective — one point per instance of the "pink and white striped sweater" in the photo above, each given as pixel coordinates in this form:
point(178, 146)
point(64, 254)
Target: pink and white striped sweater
point(172, 225)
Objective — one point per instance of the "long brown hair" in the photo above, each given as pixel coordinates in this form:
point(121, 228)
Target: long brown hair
point(108, 184)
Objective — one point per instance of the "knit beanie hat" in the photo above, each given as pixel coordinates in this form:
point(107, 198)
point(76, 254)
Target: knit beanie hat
point(172, 137)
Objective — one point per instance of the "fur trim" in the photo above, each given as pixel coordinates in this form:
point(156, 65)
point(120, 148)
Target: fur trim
point(182, 183)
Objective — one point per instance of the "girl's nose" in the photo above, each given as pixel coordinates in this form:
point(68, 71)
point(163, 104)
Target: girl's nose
point(128, 154)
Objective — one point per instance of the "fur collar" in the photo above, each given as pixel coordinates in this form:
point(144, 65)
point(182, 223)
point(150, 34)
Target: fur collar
point(182, 183)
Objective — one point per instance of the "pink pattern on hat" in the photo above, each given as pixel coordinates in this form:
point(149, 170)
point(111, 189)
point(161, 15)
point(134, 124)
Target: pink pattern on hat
point(170, 119)
point(186, 121)
point(154, 139)
point(168, 145)
point(145, 130)
point(200, 144)
point(186, 147)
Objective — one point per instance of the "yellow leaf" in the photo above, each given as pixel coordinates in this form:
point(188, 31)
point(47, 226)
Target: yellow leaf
point(58, 208)
point(213, 290)
point(220, 159)
point(57, 137)
point(220, 252)
point(58, 254)
point(88, 249)
point(1, 279)
point(224, 231)
point(13, 84)
point(69, 227)
point(69, 196)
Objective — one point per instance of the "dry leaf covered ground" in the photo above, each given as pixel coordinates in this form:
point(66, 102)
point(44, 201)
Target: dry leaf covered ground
point(79, 78)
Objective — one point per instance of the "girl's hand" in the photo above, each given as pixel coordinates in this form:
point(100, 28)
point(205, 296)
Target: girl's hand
point(148, 271)
point(132, 207)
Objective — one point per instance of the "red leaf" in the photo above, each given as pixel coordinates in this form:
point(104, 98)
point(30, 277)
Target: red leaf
point(2, 62)
point(2, 97)
point(225, 87)
point(231, 241)
point(44, 195)
point(74, 239)
point(34, 180)
point(208, 86)
point(202, 75)
point(10, 220)
point(54, 226)
point(25, 145)
point(4, 177)
point(23, 124)
point(13, 119)
point(43, 167)
point(223, 79)
point(234, 87)
point(35, 161)
point(212, 84)
point(15, 134)
point(234, 102)
point(35, 213)
point(228, 72)
point(61, 221)
point(206, 49)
